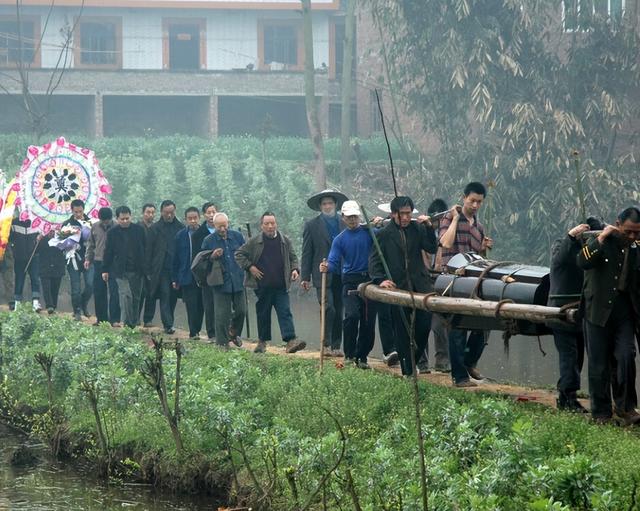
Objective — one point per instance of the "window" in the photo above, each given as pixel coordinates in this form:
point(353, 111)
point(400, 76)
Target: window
point(280, 45)
point(579, 15)
point(99, 43)
point(184, 44)
point(18, 45)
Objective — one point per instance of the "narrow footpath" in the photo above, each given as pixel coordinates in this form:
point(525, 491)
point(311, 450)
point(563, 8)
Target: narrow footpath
point(515, 392)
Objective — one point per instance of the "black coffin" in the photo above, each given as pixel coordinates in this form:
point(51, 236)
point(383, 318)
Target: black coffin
point(473, 266)
point(473, 277)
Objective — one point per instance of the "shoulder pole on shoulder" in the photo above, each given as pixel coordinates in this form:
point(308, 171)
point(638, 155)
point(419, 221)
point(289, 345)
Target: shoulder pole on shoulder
point(410, 332)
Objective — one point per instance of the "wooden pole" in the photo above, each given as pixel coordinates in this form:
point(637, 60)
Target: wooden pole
point(323, 314)
point(580, 193)
point(33, 253)
point(468, 306)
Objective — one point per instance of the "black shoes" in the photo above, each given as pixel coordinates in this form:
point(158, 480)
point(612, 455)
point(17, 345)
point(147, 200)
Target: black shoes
point(465, 384)
point(295, 345)
point(392, 359)
point(631, 418)
point(569, 403)
point(475, 374)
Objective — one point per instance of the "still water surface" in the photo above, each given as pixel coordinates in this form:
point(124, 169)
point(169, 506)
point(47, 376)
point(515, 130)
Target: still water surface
point(51, 486)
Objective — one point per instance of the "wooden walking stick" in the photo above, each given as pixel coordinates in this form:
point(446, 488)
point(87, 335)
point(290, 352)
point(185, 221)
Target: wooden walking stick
point(33, 253)
point(323, 314)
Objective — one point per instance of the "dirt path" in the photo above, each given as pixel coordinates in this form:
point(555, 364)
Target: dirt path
point(516, 392)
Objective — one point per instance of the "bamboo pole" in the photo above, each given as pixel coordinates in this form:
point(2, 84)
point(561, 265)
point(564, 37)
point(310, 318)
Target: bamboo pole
point(469, 306)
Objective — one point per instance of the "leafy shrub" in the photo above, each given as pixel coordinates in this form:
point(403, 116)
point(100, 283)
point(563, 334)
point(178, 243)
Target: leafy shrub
point(266, 431)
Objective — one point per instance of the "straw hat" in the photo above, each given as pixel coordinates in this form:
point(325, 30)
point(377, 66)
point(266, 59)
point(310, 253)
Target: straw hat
point(314, 200)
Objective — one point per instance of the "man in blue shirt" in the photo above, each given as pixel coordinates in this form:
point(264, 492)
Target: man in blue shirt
point(228, 298)
point(349, 255)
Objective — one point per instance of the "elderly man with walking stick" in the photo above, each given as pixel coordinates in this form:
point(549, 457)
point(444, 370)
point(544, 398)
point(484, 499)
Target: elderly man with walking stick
point(317, 237)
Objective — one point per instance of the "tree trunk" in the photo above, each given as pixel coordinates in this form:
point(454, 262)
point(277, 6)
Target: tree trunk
point(347, 82)
point(310, 96)
point(396, 127)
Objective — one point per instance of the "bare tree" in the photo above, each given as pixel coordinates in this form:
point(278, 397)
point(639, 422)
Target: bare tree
point(310, 96)
point(37, 111)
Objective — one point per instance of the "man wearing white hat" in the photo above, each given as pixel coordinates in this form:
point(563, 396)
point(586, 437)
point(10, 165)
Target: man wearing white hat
point(318, 234)
point(349, 256)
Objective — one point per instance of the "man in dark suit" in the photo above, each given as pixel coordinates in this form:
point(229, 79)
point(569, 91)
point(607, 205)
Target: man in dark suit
point(566, 280)
point(401, 243)
point(317, 237)
point(124, 258)
point(611, 305)
point(160, 246)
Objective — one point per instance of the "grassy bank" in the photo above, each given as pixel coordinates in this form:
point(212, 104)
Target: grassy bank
point(266, 431)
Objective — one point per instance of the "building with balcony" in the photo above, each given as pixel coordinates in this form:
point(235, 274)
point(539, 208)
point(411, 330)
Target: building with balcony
point(196, 67)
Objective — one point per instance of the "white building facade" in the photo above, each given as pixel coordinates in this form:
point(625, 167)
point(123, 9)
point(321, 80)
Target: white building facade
point(168, 66)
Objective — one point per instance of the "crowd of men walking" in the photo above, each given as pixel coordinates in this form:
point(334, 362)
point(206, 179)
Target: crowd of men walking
point(128, 267)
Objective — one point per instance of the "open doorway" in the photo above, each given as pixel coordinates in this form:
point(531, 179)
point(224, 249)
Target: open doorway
point(184, 47)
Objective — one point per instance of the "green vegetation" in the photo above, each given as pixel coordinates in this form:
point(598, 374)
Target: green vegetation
point(244, 176)
point(273, 433)
point(508, 95)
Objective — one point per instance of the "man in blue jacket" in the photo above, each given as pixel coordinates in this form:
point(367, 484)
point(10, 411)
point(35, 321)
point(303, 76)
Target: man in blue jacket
point(228, 298)
point(349, 256)
point(182, 278)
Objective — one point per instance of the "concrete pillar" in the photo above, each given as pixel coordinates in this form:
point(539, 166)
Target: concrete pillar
point(98, 115)
point(213, 116)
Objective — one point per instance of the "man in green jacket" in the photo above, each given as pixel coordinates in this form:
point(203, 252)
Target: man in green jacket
point(610, 293)
point(270, 265)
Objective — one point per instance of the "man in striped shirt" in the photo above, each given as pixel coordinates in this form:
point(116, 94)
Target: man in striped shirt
point(461, 232)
